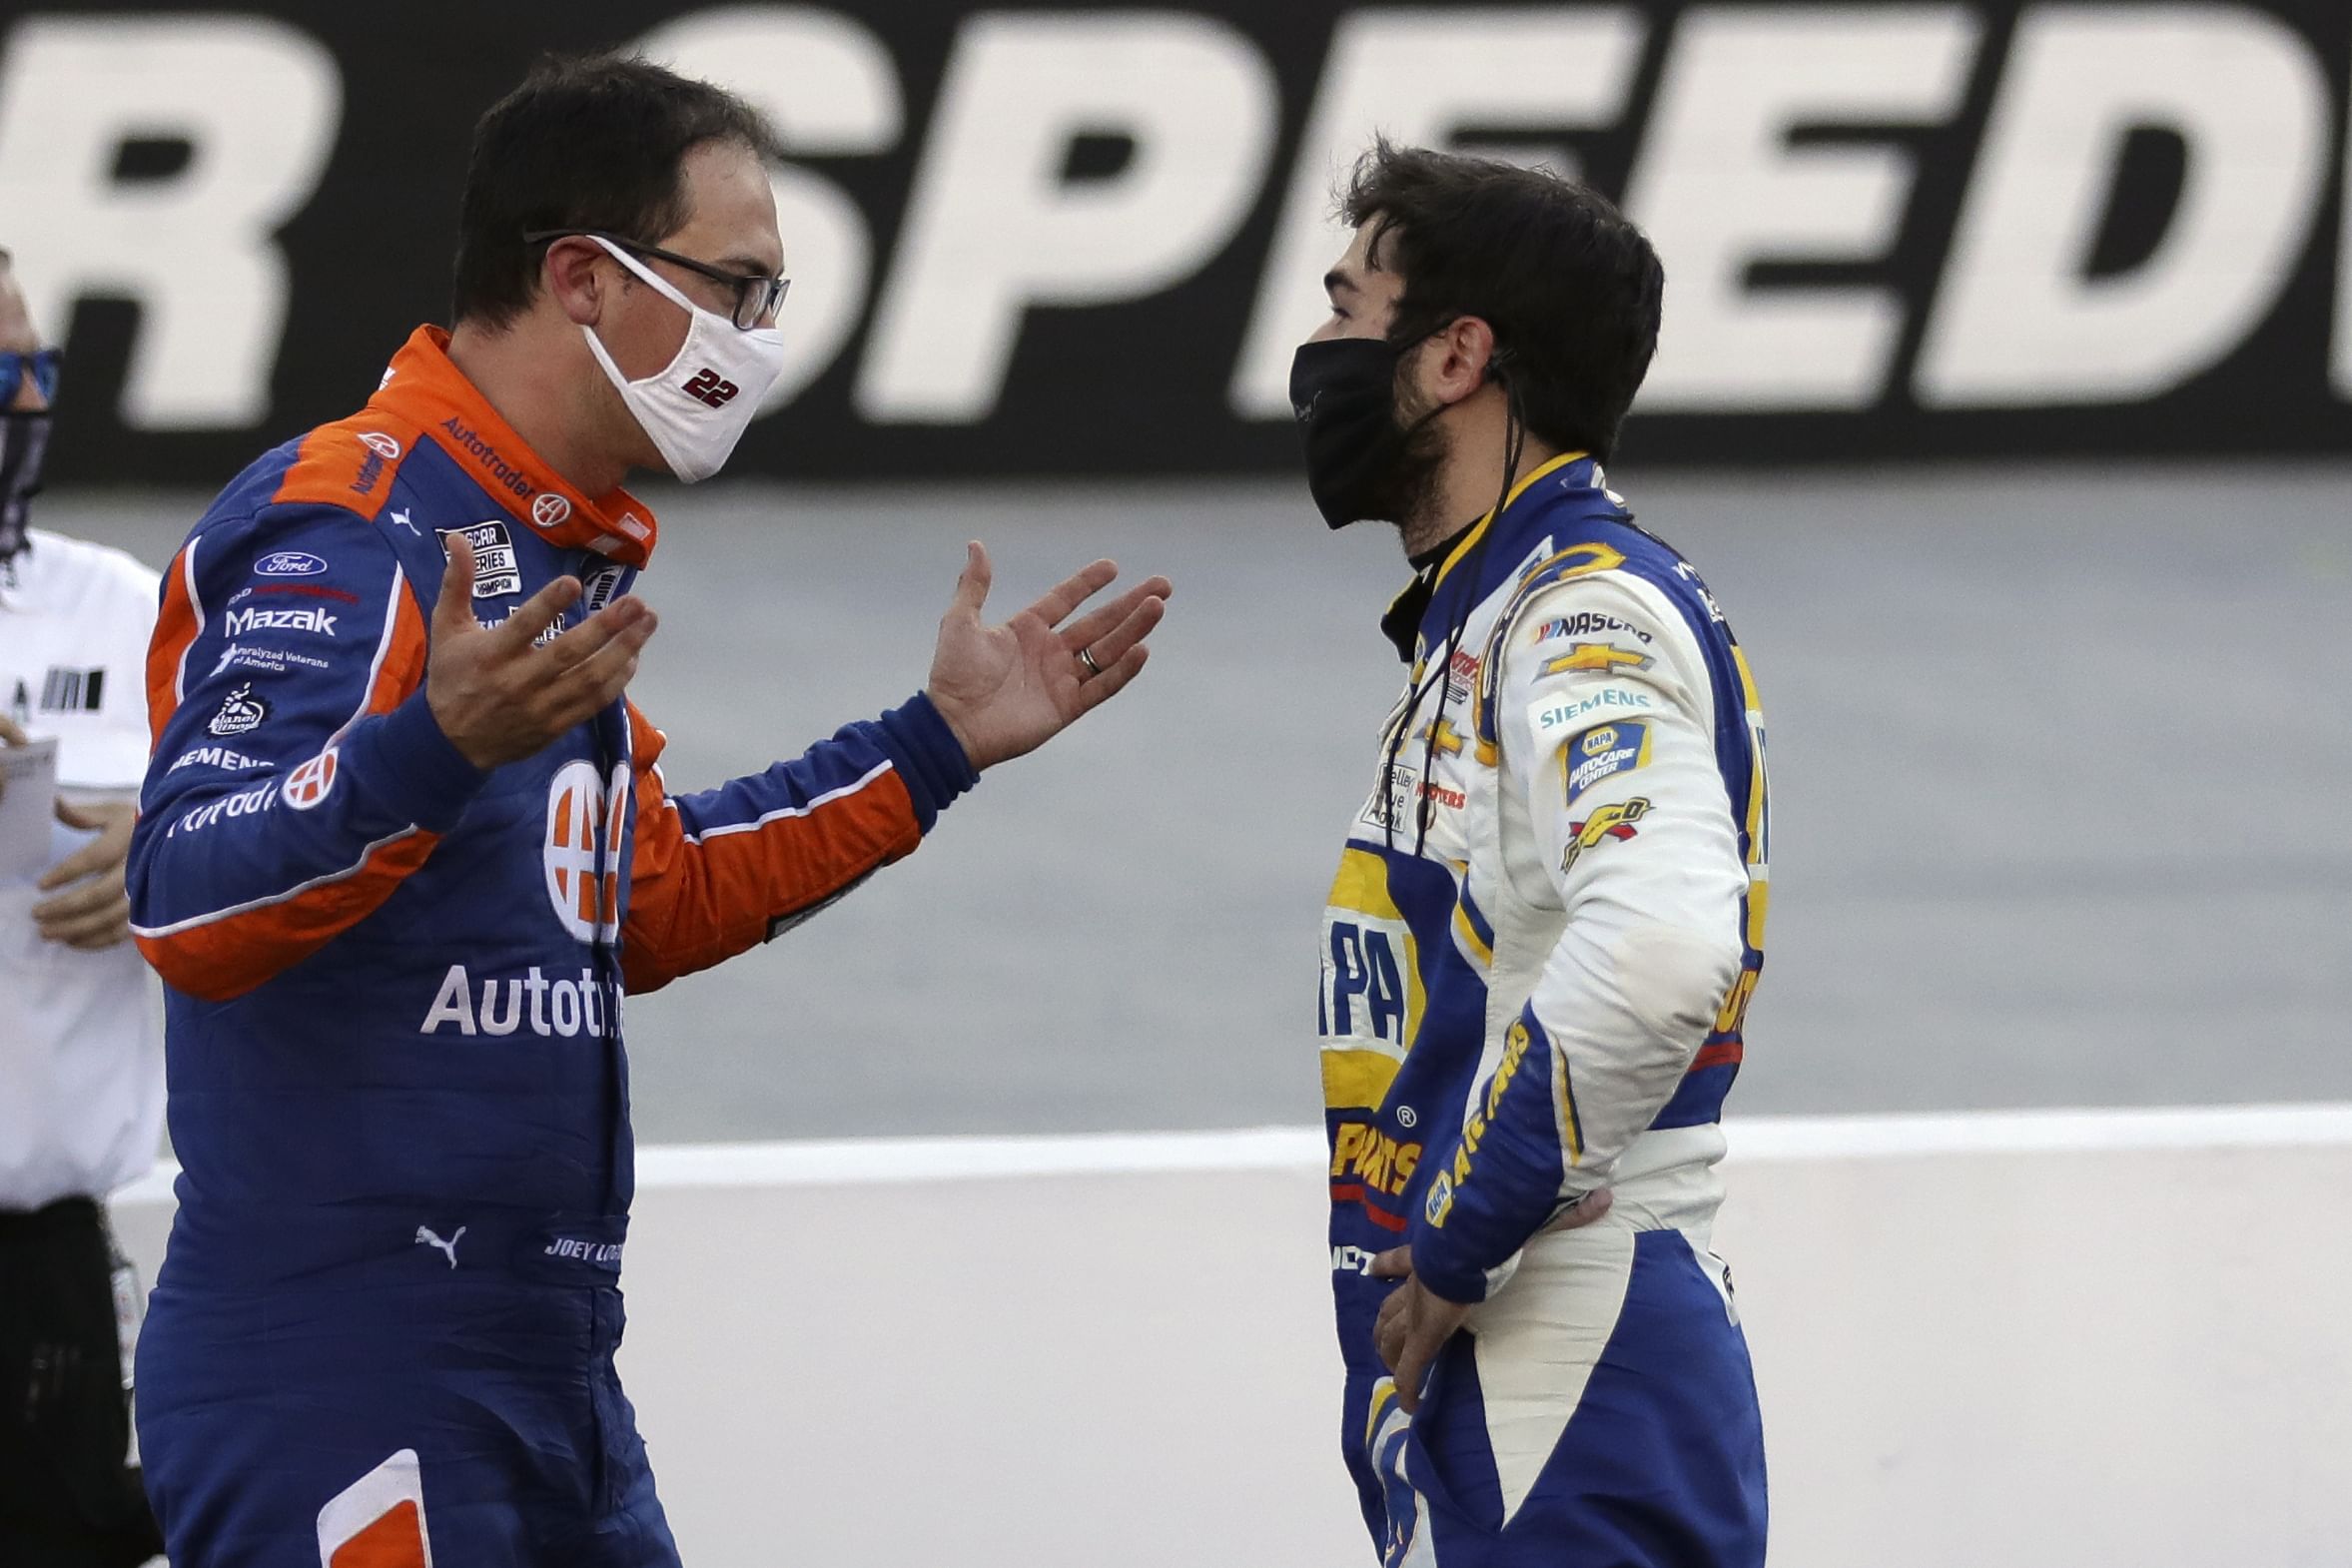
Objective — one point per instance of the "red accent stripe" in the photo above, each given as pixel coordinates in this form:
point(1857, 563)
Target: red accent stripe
point(228, 956)
point(1722, 1054)
point(1353, 1193)
point(176, 628)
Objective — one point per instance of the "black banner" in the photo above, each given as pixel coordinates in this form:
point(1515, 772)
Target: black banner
point(1083, 241)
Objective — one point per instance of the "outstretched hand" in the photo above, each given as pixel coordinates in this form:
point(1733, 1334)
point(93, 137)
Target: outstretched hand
point(499, 693)
point(1007, 690)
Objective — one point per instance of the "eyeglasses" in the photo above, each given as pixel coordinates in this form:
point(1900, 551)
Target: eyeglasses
point(42, 363)
point(758, 297)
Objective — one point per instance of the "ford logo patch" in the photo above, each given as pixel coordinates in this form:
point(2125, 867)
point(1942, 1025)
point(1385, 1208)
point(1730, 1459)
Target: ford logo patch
point(289, 563)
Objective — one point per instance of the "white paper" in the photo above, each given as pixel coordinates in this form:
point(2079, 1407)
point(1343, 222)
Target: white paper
point(27, 805)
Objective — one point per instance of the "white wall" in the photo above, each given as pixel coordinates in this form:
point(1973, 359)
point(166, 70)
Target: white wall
point(2043, 1338)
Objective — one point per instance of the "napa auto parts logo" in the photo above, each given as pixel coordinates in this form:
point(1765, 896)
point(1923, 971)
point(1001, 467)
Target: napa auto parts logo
point(1087, 240)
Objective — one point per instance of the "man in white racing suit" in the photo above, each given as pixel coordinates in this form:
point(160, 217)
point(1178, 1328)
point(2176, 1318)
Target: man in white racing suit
point(1549, 914)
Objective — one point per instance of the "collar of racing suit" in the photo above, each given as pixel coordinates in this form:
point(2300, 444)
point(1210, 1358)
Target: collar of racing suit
point(424, 388)
point(1401, 624)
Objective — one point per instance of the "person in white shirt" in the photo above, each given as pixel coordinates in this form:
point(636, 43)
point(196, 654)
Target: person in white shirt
point(81, 1038)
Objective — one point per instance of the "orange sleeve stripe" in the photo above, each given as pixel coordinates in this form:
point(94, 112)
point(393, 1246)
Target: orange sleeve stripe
point(225, 957)
point(177, 625)
point(693, 905)
point(403, 668)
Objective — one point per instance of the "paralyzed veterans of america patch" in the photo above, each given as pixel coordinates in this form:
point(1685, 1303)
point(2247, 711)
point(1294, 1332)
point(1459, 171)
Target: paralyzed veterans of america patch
point(1602, 752)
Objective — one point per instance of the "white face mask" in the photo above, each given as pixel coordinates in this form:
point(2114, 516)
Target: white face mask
point(696, 407)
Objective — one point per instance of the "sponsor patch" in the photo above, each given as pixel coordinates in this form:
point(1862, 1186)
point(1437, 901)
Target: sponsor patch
point(221, 757)
point(272, 661)
point(551, 511)
point(495, 572)
point(1461, 677)
point(245, 803)
point(1609, 822)
point(1562, 717)
point(240, 713)
point(1588, 623)
point(528, 1002)
point(289, 563)
point(1605, 658)
point(310, 783)
point(1604, 751)
point(316, 620)
point(599, 587)
point(382, 444)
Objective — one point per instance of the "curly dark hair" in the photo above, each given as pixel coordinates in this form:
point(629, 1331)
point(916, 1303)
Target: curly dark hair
point(1570, 287)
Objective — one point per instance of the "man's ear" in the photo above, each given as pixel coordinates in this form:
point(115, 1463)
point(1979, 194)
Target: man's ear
point(1464, 359)
point(572, 279)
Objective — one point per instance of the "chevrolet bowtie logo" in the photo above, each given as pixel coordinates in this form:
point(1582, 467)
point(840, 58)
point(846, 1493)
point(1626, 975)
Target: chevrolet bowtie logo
point(1445, 739)
point(1605, 657)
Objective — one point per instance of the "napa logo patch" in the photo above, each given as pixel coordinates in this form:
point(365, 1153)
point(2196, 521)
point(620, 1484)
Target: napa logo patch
point(1604, 751)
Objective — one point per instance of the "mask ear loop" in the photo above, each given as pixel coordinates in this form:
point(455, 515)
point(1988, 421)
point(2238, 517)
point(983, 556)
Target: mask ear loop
point(1459, 623)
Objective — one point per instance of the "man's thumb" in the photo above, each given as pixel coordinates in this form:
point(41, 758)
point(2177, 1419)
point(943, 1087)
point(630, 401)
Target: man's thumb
point(454, 612)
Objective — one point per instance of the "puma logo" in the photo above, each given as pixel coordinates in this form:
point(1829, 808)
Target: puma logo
point(427, 1238)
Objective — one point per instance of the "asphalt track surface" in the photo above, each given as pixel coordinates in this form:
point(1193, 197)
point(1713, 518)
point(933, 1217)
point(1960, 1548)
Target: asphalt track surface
point(2061, 769)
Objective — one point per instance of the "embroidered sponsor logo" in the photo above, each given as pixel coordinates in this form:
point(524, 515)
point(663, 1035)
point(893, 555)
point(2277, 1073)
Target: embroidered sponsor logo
point(240, 713)
point(221, 757)
point(599, 588)
point(1588, 623)
point(1609, 822)
point(551, 511)
point(289, 563)
point(1561, 713)
point(308, 590)
point(583, 1250)
point(273, 661)
point(310, 783)
point(318, 622)
point(587, 815)
point(1602, 657)
point(1605, 751)
point(427, 1237)
point(1461, 675)
point(382, 444)
point(485, 457)
point(529, 1002)
point(496, 569)
point(245, 803)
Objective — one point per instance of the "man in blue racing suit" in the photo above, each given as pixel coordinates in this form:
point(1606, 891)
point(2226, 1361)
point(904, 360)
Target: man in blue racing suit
point(1549, 913)
point(404, 846)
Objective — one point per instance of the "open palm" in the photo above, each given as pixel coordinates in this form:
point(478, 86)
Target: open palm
point(1007, 690)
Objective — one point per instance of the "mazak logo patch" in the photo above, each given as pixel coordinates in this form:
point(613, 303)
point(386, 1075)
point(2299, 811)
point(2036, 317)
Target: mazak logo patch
point(289, 563)
point(495, 570)
point(240, 713)
point(711, 388)
point(318, 623)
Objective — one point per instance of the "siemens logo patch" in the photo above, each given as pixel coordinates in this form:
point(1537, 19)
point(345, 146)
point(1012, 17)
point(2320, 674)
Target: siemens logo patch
point(1550, 715)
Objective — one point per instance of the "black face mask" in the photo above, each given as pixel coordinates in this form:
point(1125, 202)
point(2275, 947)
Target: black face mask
point(1359, 462)
point(24, 442)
